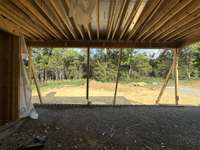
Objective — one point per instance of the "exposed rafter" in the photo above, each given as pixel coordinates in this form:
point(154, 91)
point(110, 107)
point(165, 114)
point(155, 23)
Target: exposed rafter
point(140, 23)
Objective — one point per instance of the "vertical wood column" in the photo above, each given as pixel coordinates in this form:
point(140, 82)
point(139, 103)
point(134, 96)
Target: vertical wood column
point(176, 58)
point(10, 47)
point(117, 78)
point(88, 75)
point(30, 63)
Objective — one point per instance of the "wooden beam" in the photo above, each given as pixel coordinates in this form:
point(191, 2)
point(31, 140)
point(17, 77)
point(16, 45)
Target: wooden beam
point(120, 17)
point(165, 19)
point(98, 16)
point(165, 83)
point(130, 18)
point(88, 76)
point(112, 18)
point(176, 54)
point(192, 30)
point(36, 84)
point(157, 18)
point(10, 47)
point(174, 71)
point(8, 26)
point(41, 18)
point(192, 39)
point(171, 27)
point(89, 31)
point(117, 78)
point(51, 17)
point(102, 44)
point(30, 63)
point(11, 15)
point(59, 9)
point(150, 8)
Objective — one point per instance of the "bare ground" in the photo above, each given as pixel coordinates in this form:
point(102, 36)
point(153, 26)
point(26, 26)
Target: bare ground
point(102, 93)
point(107, 128)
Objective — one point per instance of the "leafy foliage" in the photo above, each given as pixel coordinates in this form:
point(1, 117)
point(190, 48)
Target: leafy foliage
point(58, 63)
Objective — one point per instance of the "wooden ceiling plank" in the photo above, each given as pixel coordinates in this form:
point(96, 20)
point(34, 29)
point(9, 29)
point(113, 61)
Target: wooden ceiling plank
point(118, 18)
point(26, 15)
point(182, 29)
point(180, 7)
point(78, 27)
point(40, 17)
point(138, 14)
point(59, 21)
point(98, 16)
point(64, 17)
point(112, 19)
point(129, 20)
point(191, 39)
point(20, 22)
point(52, 18)
point(10, 27)
point(89, 31)
point(170, 28)
point(145, 16)
point(186, 30)
point(168, 5)
point(109, 15)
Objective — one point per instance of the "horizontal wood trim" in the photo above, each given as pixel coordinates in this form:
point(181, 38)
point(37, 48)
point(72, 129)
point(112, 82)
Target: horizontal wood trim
point(102, 44)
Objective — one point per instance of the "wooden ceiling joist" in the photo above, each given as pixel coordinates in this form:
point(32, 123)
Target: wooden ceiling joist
point(169, 28)
point(9, 27)
point(166, 18)
point(137, 23)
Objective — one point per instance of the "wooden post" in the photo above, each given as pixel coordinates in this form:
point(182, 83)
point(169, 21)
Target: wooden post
point(166, 82)
point(176, 58)
point(117, 78)
point(30, 63)
point(88, 76)
point(10, 60)
point(36, 84)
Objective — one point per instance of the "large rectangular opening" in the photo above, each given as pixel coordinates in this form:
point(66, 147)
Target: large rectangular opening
point(62, 74)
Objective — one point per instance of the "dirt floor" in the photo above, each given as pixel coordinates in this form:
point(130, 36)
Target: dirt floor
point(107, 128)
point(102, 93)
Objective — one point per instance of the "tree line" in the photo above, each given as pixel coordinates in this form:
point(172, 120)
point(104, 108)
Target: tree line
point(61, 63)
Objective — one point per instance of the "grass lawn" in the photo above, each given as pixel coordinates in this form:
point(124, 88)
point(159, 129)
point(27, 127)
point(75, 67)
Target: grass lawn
point(55, 84)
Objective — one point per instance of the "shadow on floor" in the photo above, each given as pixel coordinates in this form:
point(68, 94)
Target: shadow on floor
point(50, 98)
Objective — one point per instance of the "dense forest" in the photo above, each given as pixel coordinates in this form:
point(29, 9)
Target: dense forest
point(60, 63)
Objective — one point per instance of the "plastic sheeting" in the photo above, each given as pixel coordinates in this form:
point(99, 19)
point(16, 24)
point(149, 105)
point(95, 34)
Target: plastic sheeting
point(26, 107)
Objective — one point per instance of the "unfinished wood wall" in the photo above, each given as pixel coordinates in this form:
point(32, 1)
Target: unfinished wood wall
point(9, 77)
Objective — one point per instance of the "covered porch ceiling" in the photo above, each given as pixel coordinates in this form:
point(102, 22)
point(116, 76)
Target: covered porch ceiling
point(103, 23)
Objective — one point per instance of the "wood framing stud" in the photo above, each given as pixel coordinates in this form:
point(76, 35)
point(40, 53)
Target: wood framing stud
point(173, 71)
point(88, 76)
point(165, 84)
point(37, 85)
point(176, 54)
point(30, 63)
point(117, 78)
